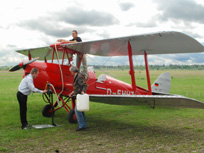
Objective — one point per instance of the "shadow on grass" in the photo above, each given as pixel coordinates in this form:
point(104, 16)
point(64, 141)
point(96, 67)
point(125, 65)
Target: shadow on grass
point(125, 130)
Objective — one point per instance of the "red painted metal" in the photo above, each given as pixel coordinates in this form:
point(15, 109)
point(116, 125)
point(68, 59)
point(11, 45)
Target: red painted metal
point(20, 64)
point(73, 103)
point(49, 72)
point(53, 54)
point(29, 56)
point(147, 73)
point(64, 104)
point(132, 72)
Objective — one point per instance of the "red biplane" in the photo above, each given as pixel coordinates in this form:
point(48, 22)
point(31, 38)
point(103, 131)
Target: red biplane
point(107, 89)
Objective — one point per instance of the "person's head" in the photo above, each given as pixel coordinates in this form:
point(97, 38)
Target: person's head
point(34, 72)
point(74, 33)
point(74, 70)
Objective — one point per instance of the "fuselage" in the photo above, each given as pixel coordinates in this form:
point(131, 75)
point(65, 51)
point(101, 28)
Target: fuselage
point(105, 85)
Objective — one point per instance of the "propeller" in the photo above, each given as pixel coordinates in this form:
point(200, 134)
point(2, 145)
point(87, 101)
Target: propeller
point(22, 65)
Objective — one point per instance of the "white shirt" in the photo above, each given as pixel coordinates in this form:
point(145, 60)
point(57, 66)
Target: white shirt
point(26, 86)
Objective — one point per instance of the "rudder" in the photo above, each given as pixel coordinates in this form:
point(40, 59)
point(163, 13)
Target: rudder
point(162, 83)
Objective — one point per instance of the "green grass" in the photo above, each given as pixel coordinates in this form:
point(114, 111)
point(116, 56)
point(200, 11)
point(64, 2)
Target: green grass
point(112, 128)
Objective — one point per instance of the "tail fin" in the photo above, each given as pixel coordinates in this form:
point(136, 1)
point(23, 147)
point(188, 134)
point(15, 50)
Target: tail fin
point(162, 83)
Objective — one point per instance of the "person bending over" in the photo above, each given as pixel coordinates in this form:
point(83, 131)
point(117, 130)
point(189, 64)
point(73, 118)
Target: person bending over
point(25, 88)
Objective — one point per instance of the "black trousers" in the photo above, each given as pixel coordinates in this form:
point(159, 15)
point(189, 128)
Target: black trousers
point(22, 99)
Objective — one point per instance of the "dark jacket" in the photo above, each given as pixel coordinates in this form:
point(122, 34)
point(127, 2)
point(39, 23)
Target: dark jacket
point(79, 84)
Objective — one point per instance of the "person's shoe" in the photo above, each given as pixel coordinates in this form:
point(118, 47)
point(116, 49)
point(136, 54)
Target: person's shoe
point(27, 127)
point(80, 129)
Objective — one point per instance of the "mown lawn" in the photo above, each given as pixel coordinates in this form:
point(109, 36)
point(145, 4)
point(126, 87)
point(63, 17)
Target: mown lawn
point(112, 128)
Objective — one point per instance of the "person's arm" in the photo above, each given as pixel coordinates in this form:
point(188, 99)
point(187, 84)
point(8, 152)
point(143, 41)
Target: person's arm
point(68, 41)
point(82, 85)
point(71, 94)
point(32, 87)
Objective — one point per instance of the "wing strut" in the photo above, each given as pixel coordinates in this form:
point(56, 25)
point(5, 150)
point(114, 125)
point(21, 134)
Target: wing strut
point(131, 72)
point(29, 56)
point(147, 73)
point(80, 60)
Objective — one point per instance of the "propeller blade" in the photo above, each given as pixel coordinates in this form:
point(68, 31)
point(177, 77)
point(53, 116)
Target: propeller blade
point(22, 65)
point(16, 67)
point(31, 61)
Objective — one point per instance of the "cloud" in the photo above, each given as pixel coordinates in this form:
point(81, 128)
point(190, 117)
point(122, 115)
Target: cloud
point(50, 27)
point(183, 10)
point(11, 46)
point(62, 23)
point(78, 16)
point(194, 58)
point(126, 6)
point(149, 24)
point(8, 56)
point(192, 34)
point(106, 61)
point(167, 59)
point(180, 59)
point(103, 34)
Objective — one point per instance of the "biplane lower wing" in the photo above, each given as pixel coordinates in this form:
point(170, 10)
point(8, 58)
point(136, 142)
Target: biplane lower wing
point(152, 100)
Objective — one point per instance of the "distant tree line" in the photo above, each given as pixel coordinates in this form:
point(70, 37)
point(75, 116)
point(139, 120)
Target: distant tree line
point(139, 67)
point(152, 67)
point(5, 67)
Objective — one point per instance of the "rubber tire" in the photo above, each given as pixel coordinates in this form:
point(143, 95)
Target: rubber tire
point(46, 111)
point(70, 116)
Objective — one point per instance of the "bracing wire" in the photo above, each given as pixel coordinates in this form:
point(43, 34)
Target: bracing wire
point(107, 61)
point(102, 65)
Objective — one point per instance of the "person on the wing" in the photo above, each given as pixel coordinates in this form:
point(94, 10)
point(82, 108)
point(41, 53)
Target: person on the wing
point(75, 40)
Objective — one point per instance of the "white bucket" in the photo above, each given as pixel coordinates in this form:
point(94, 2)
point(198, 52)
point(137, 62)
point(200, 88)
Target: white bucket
point(82, 102)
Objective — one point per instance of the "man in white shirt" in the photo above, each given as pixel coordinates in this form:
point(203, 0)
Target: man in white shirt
point(25, 88)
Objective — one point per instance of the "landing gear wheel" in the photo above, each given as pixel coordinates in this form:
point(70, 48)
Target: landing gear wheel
point(47, 111)
point(72, 116)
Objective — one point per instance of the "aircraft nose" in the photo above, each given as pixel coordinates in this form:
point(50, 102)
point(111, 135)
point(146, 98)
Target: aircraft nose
point(22, 65)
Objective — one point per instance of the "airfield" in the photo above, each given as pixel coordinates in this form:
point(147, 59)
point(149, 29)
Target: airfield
point(112, 128)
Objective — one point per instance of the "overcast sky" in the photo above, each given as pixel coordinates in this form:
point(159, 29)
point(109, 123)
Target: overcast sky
point(30, 24)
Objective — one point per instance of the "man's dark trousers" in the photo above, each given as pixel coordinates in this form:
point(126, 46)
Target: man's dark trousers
point(22, 99)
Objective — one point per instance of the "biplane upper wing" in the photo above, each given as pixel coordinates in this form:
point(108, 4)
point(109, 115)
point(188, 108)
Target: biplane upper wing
point(42, 53)
point(155, 43)
point(152, 100)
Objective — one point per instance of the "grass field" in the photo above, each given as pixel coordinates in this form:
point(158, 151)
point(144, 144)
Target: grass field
point(112, 128)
